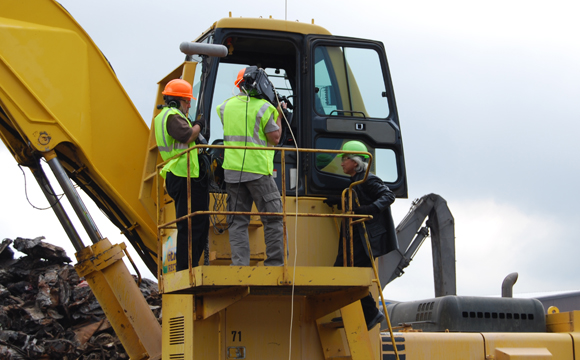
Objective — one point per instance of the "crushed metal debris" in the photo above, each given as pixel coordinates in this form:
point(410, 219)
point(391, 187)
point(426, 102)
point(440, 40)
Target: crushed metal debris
point(47, 312)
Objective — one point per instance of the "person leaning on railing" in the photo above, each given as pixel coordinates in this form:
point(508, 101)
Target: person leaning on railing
point(174, 133)
point(374, 198)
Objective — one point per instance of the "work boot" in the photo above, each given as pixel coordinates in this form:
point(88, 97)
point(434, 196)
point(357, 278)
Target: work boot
point(379, 317)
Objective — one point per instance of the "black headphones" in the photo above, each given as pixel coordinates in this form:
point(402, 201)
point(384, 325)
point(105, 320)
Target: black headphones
point(172, 101)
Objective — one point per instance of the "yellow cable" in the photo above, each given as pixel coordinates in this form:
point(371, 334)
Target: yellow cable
point(378, 282)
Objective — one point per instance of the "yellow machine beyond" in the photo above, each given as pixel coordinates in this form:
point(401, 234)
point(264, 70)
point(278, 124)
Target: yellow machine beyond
point(56, 95)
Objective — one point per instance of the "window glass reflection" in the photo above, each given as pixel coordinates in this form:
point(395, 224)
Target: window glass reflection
point(349, 82)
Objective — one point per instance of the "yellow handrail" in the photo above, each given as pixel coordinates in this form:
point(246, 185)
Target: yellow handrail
point(188, 217)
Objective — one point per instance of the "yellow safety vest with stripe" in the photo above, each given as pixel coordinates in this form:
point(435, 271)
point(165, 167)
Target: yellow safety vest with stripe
point(242, 130)
point(169, 147)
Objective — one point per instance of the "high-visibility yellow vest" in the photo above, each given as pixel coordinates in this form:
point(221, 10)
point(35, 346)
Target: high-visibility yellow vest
point(244, 119)
point(169, 147)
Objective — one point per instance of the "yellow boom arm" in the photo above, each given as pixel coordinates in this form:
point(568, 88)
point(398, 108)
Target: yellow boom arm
point(58, 92)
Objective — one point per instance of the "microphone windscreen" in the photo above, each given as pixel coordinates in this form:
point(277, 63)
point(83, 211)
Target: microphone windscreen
point(192, 48)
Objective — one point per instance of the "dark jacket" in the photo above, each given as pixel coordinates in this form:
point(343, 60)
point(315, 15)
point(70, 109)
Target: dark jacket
point(381, 229)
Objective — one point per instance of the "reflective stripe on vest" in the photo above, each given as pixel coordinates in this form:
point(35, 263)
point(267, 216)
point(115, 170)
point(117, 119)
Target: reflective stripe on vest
point(233, 116)
point(169, 147)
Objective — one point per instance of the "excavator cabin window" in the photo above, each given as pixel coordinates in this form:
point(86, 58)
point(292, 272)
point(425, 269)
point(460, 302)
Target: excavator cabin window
point(350, 94)
point(277, 56)
point(348, 82)
point(330, 163)
point(225, 88)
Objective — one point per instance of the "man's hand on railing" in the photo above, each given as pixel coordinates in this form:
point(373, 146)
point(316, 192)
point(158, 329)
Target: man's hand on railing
point(333, 200)
point(366, 210)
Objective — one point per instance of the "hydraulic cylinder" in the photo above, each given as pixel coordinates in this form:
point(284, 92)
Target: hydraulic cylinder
point(120, 298)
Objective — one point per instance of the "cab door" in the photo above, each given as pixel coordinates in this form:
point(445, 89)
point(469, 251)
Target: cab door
point(351, 97)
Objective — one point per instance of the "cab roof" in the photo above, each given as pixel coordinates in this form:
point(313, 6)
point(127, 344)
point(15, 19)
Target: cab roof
point(270, 24)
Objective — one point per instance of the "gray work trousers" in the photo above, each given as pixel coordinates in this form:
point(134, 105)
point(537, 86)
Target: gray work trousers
point(265, 194)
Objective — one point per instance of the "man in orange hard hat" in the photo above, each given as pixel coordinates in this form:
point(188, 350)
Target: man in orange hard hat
point(174, 133)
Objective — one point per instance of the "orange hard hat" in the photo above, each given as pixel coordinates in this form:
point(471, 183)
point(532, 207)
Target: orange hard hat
point(179, 88)
point(240, 77)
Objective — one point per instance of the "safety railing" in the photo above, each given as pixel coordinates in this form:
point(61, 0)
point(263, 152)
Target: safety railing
point(347, 213)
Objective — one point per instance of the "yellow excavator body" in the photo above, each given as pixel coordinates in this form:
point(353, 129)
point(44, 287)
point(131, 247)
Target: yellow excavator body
point(60, 98)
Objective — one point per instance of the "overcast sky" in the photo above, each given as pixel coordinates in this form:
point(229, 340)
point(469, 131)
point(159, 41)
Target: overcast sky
point(488, 98)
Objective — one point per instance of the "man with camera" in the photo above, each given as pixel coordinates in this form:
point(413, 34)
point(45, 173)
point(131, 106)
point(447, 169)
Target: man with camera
point(174, 133)
point(250, 120)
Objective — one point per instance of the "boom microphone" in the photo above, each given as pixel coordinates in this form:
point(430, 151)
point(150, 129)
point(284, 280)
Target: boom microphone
point(192, 48)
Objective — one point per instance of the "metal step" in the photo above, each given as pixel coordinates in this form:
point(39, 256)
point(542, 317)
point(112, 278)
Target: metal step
point(333, 325)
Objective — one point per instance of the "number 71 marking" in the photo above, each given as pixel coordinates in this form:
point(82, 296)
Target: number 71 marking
point(239, 333)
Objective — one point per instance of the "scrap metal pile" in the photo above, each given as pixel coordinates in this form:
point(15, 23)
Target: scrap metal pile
point(47, 312)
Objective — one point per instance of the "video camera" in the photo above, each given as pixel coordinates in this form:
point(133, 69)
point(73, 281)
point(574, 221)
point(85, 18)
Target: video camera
point(255, 81)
